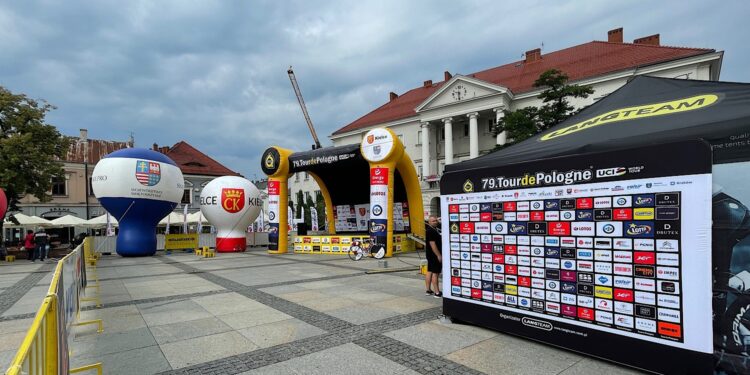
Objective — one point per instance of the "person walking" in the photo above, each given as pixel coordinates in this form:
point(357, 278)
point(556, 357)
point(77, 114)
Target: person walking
point(41, 239)
point(28, 244)
point(433, 253)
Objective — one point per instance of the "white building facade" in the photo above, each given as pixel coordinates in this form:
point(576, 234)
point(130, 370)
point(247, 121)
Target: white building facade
point(452, 121)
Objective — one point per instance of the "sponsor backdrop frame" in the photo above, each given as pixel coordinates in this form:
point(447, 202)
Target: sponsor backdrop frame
point(652, 111)
point(345, 175)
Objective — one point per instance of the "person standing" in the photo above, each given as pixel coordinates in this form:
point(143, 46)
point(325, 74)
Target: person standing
point(40, 240)
point(28, 244)
point(433, 253)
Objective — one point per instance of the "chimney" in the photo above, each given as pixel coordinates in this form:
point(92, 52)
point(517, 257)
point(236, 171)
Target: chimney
point(533, 55)
point(156, 147)
point(614, 36)
point(651, 40)
point(428, 83)
point(447, 75)
point(393, 95)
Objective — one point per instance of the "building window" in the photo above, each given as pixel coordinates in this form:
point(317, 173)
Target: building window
point(419, 138)
point(296, 177)
point(307, 176)
point(59, 187)
point(187, 196)
point(442, 133)
point(490, 125)
point(308, 198)
point(466, 130)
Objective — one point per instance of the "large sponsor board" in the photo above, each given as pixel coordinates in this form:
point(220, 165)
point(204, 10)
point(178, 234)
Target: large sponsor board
point(596, 253)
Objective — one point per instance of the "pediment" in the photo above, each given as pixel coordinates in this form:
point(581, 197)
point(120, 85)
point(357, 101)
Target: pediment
point(460, 89)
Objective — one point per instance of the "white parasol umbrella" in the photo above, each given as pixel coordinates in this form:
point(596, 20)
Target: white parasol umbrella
point(196, 217)
point(27, 221)
point(100, 221)
point(173, 217)
point(69, 221)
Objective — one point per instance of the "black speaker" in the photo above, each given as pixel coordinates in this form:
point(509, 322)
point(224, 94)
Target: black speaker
point(302, 229)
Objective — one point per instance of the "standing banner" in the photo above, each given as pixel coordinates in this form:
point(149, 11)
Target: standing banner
point(273, 214)
point(607, 254)
point(291, 223)
point(110, 232)
point(184, 218)
point(199, 229)
point(314, 219)
point(379, 204)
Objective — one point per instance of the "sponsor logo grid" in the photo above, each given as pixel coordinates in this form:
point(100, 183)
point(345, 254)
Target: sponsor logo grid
point(611, 261)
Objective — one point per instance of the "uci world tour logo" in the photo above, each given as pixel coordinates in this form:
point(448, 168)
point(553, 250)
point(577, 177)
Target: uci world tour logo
point(148, 173)
point(232, 200)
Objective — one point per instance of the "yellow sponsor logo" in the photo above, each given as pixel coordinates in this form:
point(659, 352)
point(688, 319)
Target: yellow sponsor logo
point(643, 214)
point(637, 112)
point(603, 292)
point(511, 289)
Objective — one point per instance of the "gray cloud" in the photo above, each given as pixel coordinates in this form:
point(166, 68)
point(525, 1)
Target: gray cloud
point(214, 73)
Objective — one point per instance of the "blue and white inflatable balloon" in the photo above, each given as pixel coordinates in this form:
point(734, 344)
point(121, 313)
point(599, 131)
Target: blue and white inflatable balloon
point(139, 187)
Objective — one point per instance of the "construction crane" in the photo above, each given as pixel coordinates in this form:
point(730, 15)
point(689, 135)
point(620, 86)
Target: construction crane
point(304, 108)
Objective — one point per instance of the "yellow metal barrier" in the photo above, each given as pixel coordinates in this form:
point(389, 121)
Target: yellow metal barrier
point(45, 350)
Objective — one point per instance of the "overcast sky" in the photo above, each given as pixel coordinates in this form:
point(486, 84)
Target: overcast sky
point(213, 73)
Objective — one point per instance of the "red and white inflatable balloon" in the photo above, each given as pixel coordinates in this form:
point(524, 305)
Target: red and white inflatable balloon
point(230, 204)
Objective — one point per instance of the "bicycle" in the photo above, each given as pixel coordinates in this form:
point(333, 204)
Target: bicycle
point(359, 249)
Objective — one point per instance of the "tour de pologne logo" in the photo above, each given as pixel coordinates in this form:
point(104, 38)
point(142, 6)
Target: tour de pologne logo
point(148, 173)
point(232, 200)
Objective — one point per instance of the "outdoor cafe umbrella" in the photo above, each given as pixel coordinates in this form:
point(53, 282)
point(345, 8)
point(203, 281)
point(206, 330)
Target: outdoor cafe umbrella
point(27, 221)
point(69, 221)
point(100, 221)
point(173, 217)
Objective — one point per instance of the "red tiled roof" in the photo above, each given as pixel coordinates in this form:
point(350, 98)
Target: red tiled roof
point(97, 149)
point(578, 62)
point(192, 161)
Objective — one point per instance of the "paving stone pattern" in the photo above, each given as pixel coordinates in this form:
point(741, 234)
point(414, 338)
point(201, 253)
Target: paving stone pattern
point(11, 295)
point(339, 332)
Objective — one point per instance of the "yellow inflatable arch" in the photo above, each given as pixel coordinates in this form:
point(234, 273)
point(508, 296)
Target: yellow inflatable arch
point(376, 172)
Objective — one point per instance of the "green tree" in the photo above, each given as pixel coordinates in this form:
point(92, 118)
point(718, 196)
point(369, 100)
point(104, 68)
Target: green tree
point(320, 206)
point(526, 122)
point(30, 149)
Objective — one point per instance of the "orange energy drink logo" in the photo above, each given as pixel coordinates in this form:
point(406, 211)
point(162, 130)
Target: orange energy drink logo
point(370, 138)
point(232, 200)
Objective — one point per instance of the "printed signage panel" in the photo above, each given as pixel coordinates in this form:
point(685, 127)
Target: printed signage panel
point(597, 253)
point(273, 214)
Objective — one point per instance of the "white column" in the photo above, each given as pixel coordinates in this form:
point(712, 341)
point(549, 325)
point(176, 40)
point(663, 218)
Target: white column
point(473, 135)
point(425, 149)
point(503, 136)
point(448, 127)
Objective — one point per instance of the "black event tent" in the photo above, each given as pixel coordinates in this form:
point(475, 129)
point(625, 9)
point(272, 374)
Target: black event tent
point(656, 111)
point(729, 116)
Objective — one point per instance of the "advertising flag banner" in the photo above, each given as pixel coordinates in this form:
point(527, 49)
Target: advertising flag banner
point(184, 218)
point(314, 219)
